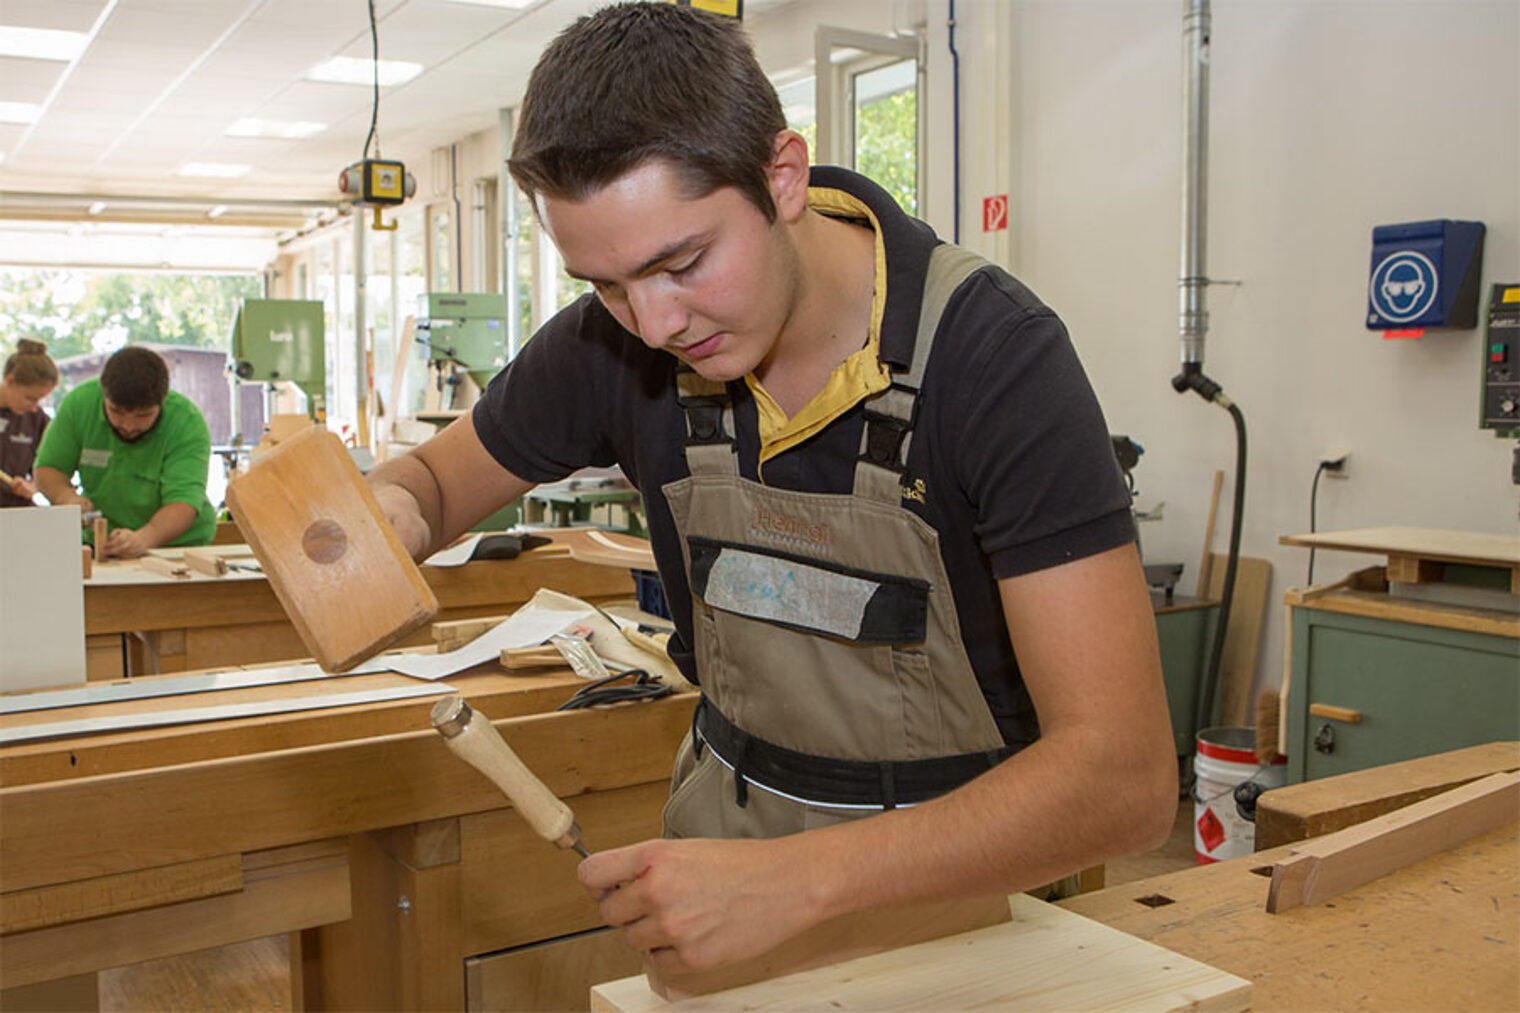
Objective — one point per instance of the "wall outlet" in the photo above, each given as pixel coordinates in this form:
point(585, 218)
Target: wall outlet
point(1336, 462)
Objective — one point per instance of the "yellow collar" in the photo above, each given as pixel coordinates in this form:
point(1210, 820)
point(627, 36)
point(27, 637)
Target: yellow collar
point(854, 379)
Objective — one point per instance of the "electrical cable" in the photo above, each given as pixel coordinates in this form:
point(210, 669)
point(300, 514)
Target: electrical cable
point(602, 692)
point(955, 122)
point(374, 62)
point(1314, 515)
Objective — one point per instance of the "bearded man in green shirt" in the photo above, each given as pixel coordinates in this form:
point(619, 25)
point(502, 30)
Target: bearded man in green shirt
point(141, 451)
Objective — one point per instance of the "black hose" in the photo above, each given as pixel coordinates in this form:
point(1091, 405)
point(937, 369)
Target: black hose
point(1192, 378)
point(374, 60)
point(1227, 593)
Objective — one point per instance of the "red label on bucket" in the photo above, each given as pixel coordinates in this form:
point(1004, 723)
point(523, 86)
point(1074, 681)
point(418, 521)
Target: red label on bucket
point(1210, 831)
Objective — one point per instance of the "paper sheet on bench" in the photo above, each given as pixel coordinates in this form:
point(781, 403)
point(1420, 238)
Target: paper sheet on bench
point(455, 555)
point(527, 627)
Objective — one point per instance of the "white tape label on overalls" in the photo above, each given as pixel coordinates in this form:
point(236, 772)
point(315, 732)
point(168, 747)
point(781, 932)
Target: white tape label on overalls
point(786, 591)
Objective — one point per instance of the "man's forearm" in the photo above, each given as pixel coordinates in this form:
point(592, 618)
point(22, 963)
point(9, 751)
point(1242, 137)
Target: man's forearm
point(1058, 806)
point(55, 485)
point(168, 523)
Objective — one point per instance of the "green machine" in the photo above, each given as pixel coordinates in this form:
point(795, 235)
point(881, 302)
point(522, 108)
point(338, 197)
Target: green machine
point(464, 333)
point(280, 340)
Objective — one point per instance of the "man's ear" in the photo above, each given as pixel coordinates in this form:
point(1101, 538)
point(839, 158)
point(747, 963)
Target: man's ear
point(788, 175)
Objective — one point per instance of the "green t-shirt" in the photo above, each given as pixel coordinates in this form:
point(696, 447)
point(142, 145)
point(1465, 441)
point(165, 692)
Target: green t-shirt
point(130, 482)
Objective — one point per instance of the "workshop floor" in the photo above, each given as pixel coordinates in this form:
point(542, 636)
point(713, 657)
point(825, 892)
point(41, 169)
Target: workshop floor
point(256, 976)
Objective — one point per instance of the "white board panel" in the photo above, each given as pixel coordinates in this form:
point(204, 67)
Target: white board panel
point(41, 598)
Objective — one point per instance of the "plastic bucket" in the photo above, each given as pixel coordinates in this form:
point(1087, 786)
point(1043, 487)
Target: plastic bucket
point(1226, 757)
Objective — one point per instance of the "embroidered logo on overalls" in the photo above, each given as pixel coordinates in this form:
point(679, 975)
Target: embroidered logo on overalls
point(917, 492)
point(785, 528)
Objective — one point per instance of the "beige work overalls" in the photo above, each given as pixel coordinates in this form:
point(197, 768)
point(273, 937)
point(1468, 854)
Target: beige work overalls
point(833, 676)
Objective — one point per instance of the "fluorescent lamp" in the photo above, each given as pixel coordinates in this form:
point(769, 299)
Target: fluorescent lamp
point(516, 4)
point(217, 211)
point(19, 112)
point(349, 70)
point(96, 208)
point(41, 43)
point(218, 170)
point(294, 129)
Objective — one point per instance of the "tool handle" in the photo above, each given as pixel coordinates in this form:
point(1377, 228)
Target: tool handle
point(475, 740)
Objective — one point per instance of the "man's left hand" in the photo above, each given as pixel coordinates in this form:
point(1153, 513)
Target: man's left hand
point(693, 905)
point(124, 543)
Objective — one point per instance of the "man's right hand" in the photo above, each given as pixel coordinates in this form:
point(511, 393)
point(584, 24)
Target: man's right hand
point(405, 516)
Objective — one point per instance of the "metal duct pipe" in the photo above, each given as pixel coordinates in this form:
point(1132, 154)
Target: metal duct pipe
point(1193, 283)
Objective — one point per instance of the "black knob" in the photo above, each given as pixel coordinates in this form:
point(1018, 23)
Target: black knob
point(1324, 740)
point(244, 369)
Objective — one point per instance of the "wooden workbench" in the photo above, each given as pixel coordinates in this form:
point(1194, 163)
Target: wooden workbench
point(169, 624)
point(1439, 934)
point(394, 862)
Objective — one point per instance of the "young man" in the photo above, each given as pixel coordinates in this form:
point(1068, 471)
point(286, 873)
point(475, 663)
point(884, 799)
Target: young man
point(924, 609)
point(141, 451)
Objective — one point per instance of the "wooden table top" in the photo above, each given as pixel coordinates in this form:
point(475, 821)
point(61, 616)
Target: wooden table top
point(1439, 934)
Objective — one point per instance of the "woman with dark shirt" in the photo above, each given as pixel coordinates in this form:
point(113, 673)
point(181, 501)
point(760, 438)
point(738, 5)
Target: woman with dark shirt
point(29, 378)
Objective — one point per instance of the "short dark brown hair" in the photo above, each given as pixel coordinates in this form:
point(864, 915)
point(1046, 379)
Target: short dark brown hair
point(640, 81)
point(31, 366)
point(135, 378)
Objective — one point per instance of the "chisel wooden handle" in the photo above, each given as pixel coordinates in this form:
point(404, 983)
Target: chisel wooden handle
point(475, 740)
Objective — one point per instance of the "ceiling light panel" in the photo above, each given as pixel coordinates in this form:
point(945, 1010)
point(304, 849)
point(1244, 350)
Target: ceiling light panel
point(282, 129)
point(513, 4)
point(41, 43)
point(19, 112)
point(214, 170)
point(349, 70)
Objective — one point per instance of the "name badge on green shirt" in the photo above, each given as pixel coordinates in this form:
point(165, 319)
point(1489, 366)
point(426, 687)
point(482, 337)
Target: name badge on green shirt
point(91, 457)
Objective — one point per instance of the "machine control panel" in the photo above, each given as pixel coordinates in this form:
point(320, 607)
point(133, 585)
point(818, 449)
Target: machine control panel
point(1501, 361)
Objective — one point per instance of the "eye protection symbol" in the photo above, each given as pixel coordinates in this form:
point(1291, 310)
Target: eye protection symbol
point(1403, 287)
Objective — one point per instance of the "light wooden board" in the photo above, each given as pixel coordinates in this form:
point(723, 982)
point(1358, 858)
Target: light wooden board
point(1330, 865)
point(1429, 543)
point(334, 562)
point(1044, 959)
point(1377, 605)
point(1242, 643)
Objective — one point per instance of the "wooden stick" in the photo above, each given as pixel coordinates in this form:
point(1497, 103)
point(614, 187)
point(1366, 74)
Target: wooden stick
point(207, 562)
point(87, 560)
point(1206, 566)
point(6, 479)
point(164, 567)
point(100, 530)
point(1330, 865)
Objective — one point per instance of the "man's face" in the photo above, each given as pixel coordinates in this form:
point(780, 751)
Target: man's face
point(131, 424)
point(707, 279)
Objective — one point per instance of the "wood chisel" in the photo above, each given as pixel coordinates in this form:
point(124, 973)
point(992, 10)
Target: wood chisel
point(475, 740)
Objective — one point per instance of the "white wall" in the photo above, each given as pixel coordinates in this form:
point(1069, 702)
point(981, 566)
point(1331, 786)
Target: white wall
point(1328, 117)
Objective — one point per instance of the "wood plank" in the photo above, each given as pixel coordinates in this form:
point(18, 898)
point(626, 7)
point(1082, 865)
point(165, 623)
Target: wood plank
point(1242, 645)
point(1437, 935)
point(1327, 866)
point(175, 814)
point(1428, 543)
point(312, 893)
point(487, 688)
point(554, 975)
point(1380, 606)
point(1299, 811)
point(1045, 958)
point(24, 910)
point(839, 941)
point(330, 556)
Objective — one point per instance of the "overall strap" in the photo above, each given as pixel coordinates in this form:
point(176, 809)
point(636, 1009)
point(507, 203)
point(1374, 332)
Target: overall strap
point(891, 414)
point(710, 446)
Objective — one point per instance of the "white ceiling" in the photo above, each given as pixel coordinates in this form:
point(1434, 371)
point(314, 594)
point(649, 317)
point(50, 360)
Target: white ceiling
point(163, 79)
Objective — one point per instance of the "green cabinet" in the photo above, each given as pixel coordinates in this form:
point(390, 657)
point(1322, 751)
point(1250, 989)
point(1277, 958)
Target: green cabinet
point(1393, 681)
point(1185, 631)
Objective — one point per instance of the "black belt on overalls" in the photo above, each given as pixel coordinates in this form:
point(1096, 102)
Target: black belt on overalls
point(829, 781)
